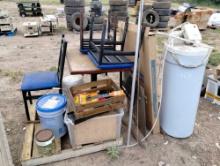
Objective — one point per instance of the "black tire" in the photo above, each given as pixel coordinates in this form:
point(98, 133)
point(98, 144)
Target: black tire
point(162, 25)
point(164, 18)
point(150, 18)
point(148, 7)
point(98, 20)
point(74, 3)
point(69, 18)
point(69, 26)
point(71, 10)
point(118, 8)
point(117, 3)
point(96, 5)
point(161, 5)
point(76, 21)
point(23, 14)
point(97, 27)
point(163, 12)
point(119, 13)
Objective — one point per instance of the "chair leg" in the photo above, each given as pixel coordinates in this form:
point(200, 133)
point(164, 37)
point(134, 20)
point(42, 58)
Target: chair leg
point(25, 105)
point(120, 79)
point(60, 91)
point(30, 97)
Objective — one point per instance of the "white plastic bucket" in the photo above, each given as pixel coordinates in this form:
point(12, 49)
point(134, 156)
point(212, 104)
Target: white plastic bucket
point(182, 81)
point(71, 80)
point(51, 108)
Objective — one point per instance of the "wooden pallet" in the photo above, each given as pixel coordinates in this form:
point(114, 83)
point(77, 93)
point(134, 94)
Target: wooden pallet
point(10, 33)
point(31, 157)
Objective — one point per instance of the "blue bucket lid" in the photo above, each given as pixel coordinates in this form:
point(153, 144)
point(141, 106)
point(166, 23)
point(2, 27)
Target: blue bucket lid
point(51, 102)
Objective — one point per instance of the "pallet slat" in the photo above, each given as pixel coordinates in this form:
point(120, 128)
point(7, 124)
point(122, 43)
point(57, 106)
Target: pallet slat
point(27, 144)
point(69, 153)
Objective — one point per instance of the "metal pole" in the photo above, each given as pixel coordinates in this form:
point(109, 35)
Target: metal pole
point(135, 70)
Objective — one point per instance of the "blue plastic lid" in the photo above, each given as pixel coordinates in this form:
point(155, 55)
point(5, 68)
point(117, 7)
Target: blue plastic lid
point(51, 102)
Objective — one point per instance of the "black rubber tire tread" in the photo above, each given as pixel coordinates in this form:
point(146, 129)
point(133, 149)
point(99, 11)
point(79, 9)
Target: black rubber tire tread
point(97, 27)
point(74, 3)
point(118, 8)
point(119, 13)
point(69, 26)
point(69, 18)
point(118, 3)
point(164, 18)
point(99, 20)
point(148, 7)
point(71, 10)
point(156, 18)
point(161, 5)
point(96, 5)
point(76, 26)
point(163, 12)
point(162, 25)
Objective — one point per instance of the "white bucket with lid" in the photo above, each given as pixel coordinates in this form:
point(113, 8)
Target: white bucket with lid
point(183, 74)
point(51, 109)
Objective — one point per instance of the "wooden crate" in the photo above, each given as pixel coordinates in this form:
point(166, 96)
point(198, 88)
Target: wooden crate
point(110, 104)
point(30, 156)
point(200, 17)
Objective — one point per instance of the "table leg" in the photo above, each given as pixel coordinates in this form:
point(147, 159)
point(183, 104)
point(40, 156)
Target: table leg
point(93, 77)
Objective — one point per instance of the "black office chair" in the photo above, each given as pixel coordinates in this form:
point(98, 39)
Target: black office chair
point(37, 81)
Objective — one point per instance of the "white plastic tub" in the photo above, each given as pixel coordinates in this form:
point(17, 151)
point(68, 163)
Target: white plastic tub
point(98, 129)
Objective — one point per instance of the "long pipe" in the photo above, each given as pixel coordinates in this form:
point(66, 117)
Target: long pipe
point(137, 47)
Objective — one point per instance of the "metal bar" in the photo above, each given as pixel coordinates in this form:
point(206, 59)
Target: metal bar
point(135, 71)
point(118, 53)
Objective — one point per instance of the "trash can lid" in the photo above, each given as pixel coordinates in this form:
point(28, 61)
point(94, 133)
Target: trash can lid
point(51, 102)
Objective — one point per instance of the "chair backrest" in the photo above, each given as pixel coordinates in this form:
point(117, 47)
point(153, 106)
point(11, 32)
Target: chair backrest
point(61, 62)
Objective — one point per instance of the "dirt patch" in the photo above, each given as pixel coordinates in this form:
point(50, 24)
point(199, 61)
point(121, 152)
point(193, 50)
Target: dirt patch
point(20, 55)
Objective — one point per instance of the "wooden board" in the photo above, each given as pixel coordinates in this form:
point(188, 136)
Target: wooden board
point(148, 60)
point(28, 142)
point(70, 153)
point(5, 155)
point(28, 137)
point(81, 64)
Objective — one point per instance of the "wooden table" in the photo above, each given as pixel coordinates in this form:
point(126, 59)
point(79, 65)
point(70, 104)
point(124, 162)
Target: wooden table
point(81, 64)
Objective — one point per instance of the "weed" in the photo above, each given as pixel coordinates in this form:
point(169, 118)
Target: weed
point(14, 75)
point(113, 152)
point(214, 58)
point(53, 68)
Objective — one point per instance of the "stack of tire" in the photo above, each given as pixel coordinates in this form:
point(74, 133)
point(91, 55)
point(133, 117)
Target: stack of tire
point(29, 8)
point(118, 9)
point(96, 15)
point(157, 15)
point(162, 7)
point(73, 9)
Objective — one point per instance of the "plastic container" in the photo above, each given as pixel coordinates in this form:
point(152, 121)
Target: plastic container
point(68, 82)
point(97, 129)
point(51, 108)
point(45, 142)
point(182, 81)
point(71, 80)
